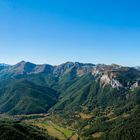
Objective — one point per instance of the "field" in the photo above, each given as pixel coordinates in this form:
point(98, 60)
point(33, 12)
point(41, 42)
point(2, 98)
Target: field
point(55, 130)
point(44, 123)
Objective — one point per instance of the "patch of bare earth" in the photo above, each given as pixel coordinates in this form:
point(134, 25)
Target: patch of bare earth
point(74, 137)
point(85, 116)
point(97, 134)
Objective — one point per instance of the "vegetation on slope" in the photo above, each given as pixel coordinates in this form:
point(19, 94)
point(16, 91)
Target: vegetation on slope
point(24, 97)
point(10, 130)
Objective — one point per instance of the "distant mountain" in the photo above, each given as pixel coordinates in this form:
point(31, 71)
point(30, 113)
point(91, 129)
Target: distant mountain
point(3, 64)
point(29, 88)
point(26, 68)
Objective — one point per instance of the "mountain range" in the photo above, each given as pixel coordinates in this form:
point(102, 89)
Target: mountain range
point(87, 95)
point(30, 88)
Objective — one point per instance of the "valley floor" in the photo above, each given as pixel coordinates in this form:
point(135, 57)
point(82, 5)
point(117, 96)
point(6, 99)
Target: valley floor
point(96, 125)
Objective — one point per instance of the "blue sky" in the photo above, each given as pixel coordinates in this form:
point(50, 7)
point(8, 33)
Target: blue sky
point(56, 31)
